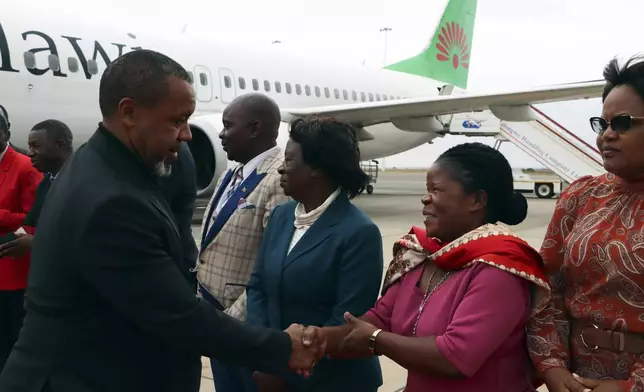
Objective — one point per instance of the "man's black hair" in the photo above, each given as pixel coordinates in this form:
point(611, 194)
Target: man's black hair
point(55, 130)
point(141, 75)
point(477, 167)
point(331, 146)
point(4, 119)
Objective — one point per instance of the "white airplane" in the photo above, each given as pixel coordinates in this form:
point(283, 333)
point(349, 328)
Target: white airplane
point(50, 68)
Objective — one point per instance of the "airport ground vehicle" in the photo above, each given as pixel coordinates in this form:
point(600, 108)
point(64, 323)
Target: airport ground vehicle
point(371, 168)
point(543, 184)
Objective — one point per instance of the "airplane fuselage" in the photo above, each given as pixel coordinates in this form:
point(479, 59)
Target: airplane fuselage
point(51, 69)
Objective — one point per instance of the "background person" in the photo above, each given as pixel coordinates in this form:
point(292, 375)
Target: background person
point(18, 183)
point(50, 146)
point(592, 252)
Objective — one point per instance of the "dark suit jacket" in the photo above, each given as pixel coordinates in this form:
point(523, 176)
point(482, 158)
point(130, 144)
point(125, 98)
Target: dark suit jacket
point(180, 191)
point(31, 220)
point(108, 308)
point(335, 267)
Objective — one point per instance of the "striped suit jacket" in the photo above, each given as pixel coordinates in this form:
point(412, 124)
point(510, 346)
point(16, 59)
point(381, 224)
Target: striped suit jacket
point(225, 263)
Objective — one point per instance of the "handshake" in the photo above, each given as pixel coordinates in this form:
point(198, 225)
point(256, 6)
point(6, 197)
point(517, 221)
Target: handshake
point(308, 347)
point(351, 340)
point(310, 344)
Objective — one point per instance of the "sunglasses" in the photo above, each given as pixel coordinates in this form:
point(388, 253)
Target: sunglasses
point(621, 123)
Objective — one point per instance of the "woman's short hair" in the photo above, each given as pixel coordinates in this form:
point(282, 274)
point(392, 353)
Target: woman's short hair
point(476, 167)
point(331, 146)
point(630, 74)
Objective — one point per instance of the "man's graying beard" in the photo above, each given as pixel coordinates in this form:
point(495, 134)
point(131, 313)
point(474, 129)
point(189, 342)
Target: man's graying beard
point(162, 169)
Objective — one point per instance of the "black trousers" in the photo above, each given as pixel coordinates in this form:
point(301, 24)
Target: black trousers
point(12, 313)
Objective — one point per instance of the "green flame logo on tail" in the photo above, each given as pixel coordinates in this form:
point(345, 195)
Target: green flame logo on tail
point(447, 58)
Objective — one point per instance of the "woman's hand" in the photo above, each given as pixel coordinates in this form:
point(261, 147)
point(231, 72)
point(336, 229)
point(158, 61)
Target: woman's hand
point(356, 343)
point(598, 385)
point(268, 383)
point(561, 380)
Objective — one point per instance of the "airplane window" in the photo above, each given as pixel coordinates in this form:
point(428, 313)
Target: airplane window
point(384, 97)
point(92, 67)
point(242, 83)
point(227, 82)
point(370, 97)
point(278, 87)
point(377, 97)
point(255, 85)
point(30, 60)
point(288, 88)
point(345, 95)
point(203, 79)
point(307, 90)
point(267, 85)
point(354, 95)
point(53, 62)
point(317, 91)
point(336, 93)
point(72, 64)
point(327, 93)
point(391, 97)
point(298, 89)
point(363, 97)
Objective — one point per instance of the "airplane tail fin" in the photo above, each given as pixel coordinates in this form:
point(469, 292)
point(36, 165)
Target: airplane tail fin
point(447, 58)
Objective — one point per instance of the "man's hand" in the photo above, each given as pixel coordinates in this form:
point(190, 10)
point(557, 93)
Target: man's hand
point(17, 247)
point(268, 383)
point(356, 343)
point(598, 385)
point(308, 346)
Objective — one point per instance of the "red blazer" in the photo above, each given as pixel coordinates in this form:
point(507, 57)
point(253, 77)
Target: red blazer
point(18, 183)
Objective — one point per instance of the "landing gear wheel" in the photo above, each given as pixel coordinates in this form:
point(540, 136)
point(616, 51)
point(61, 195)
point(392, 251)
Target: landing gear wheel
point(369, 189)
point(544, 191)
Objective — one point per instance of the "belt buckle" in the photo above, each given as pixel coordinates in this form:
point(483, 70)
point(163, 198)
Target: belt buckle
point(583, 341)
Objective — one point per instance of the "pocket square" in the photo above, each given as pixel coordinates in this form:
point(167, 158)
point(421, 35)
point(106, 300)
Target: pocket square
point(243, 204)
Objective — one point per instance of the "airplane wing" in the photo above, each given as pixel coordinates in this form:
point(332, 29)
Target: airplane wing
point(371, 113)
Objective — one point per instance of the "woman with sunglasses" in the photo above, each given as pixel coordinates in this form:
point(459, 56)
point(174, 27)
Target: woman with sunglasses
point(591, 337)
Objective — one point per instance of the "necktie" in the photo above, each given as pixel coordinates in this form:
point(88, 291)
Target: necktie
point(238, 177)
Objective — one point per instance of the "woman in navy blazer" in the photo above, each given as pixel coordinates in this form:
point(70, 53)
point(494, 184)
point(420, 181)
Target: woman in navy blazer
point(320, 255)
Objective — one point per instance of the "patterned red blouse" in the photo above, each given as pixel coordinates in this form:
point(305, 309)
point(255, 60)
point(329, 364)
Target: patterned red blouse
point(594, 257)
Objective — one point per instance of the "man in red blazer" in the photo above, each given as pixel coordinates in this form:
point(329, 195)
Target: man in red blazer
point(18, 183)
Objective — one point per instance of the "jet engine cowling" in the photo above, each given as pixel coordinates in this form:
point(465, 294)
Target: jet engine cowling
point(210, 158)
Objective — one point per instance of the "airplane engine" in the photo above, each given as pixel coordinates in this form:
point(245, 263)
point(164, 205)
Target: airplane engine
point(418, 124)
point(210, 158)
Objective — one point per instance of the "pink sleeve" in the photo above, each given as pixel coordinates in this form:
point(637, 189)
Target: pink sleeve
point(495, 304)
point(380, 315)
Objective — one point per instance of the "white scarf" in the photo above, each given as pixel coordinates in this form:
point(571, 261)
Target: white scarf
point(304, 220)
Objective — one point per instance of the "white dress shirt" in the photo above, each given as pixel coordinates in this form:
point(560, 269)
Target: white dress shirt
point(248, 168)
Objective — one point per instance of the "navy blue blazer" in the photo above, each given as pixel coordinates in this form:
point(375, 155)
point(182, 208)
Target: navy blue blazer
point(335, 267)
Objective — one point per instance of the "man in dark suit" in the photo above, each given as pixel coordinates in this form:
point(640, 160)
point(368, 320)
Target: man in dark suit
point(50, 146)
point(180, 191)
point(107, 306)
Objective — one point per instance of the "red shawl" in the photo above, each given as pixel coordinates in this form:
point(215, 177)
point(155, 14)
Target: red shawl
point(491, 244)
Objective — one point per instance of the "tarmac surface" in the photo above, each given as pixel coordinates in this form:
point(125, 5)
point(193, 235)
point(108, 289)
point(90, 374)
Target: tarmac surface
point(395, 206)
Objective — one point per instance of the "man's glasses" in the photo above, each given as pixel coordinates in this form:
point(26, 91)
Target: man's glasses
point(621, 123)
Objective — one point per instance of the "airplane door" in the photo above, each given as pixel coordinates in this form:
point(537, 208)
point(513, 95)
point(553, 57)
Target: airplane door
point(203, 83)
point(227, 84)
